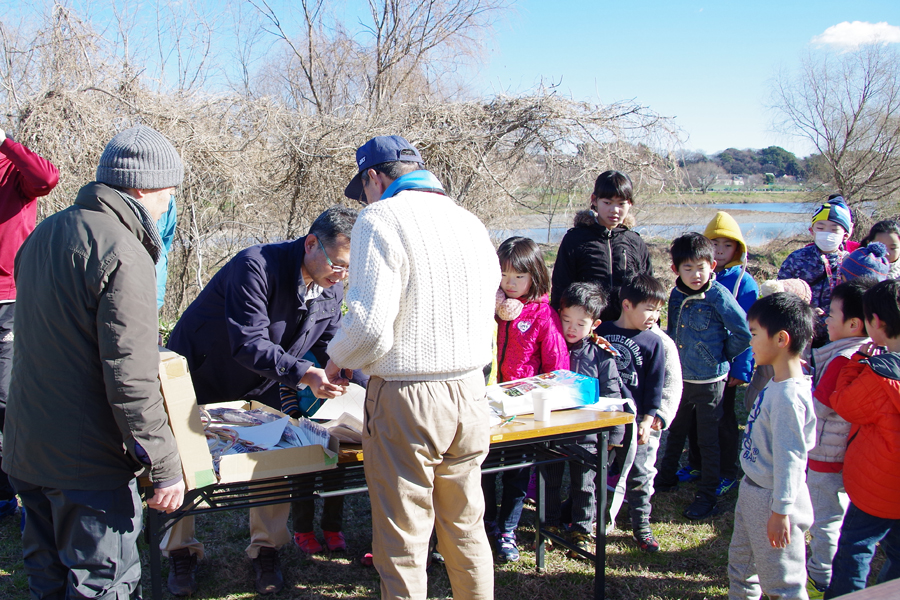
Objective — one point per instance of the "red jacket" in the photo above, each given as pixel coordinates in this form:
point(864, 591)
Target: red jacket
point(532, 343)
point(867, 395)
point(24, 176)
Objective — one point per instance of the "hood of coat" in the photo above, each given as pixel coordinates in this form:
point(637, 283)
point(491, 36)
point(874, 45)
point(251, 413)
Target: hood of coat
point(587, 218)
point(724, 225)
point(887, 365)
point(102, 198)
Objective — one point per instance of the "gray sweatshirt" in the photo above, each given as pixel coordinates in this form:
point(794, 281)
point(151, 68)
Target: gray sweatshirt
point(781, 429)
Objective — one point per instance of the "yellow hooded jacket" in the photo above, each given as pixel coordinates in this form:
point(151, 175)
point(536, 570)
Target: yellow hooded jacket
point(724, 225)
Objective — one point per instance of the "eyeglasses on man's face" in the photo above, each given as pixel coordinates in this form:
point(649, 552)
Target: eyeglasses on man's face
point(335, 268)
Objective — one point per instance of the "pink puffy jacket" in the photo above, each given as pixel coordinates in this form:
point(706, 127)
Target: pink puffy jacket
point(532, 343)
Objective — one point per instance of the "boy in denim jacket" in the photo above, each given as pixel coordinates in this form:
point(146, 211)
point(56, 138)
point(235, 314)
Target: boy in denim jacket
point(710, 329)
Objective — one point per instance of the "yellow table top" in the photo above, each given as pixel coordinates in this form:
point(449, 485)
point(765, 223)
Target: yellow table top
point(525, 427)
point(561, 421)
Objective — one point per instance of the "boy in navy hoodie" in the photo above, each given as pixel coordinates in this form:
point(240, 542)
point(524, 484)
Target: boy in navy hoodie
point(641, 362)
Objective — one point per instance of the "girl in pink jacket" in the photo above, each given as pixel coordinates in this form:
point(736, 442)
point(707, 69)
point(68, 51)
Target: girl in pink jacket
point(529, 342)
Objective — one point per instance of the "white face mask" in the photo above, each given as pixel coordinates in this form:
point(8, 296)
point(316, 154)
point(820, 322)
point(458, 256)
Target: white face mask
point(828, 242)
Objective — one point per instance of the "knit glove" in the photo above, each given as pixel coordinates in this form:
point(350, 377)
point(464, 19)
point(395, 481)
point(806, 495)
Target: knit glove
point(507, 308)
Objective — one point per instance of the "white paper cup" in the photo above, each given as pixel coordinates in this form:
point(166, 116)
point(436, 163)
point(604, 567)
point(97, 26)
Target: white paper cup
point(541, 405)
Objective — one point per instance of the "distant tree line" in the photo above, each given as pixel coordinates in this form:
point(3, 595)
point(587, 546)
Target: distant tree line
point(774, 159)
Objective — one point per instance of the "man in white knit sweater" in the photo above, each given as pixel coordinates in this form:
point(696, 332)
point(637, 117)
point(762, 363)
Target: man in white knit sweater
point(420, 316)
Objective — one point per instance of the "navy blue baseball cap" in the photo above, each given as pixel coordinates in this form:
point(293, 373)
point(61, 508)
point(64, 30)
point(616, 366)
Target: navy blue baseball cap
point(379, 150)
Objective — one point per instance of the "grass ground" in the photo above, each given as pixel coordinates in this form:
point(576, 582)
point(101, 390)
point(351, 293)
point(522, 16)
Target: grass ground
point(692, 563)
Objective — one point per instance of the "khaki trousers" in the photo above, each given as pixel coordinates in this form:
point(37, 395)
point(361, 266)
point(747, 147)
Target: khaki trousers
point(268, 527)
point(423, 444)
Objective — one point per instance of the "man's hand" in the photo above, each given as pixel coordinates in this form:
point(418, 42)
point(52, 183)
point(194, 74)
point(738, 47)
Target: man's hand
point(644, 430)
point(338, 375)
point(169, 498)
point(779, 530)
point(734, 382)
point(321, 387)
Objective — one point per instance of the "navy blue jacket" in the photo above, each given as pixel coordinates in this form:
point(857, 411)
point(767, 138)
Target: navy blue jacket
point(710, 329)
point(249, 328)
point(595, 357)
point(641, 362)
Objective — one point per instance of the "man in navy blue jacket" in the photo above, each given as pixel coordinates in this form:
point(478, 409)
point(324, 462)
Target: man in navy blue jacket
point(247, 332)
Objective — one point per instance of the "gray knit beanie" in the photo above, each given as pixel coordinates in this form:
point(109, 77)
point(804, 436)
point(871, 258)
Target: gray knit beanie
point(140, 158)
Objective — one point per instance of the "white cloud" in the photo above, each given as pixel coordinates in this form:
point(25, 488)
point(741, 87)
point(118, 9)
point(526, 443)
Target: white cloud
point(850, 36)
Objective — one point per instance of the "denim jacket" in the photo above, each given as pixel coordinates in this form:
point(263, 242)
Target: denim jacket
point(710, 330)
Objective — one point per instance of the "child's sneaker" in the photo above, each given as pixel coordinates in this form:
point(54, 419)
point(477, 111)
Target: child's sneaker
point(548, 543)
point(8, 507)
point(645, 541)
point(688, 474)
point(307, 542)
point(493, 532)
point(334, 541)
point(582, 541)
point(725, 486)
point(814, 590)
point(507, 550)
point(701, 508)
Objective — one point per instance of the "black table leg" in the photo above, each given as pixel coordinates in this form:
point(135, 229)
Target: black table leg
point(600, 552)
point(541, 518)
point(155, 554)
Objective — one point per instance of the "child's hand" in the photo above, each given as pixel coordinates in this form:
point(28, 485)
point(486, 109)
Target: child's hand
point(779, 530)
point(657, 424)
point(870, 349)
point(734, 382)
point(644, 430)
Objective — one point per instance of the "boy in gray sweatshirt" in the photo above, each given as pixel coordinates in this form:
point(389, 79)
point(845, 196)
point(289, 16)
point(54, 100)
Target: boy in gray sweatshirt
point(768, 550)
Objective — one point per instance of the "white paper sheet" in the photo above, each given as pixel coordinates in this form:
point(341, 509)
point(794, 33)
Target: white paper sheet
point(352, 403)
point(264, 436)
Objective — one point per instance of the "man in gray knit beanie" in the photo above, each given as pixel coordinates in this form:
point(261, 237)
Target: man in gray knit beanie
point(85, 412)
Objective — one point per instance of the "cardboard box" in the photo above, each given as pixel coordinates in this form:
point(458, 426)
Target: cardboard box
point(196, 461)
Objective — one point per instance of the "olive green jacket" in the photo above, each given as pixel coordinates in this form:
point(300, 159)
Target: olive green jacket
point(85, 385)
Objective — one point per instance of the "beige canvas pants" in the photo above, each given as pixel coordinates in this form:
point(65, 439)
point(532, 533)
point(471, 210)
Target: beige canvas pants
point(268, 527)
point(423, 445)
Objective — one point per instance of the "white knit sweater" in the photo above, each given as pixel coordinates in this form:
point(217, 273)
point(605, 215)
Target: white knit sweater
point(423, 274)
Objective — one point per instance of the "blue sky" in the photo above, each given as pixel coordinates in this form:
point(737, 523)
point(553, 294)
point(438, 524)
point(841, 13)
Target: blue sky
point(708, 64)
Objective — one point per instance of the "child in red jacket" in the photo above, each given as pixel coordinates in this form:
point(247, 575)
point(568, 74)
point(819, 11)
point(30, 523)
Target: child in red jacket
point(867, 395)
point(529, 342)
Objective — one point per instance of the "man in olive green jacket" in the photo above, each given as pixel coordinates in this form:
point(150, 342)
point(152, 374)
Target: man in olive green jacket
point(85, 412)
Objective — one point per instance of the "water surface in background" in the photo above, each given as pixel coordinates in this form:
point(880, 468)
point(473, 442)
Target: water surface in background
point(755, 233)
point(777, 207)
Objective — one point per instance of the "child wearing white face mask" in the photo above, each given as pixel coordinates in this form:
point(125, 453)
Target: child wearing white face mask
point(818, 264)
